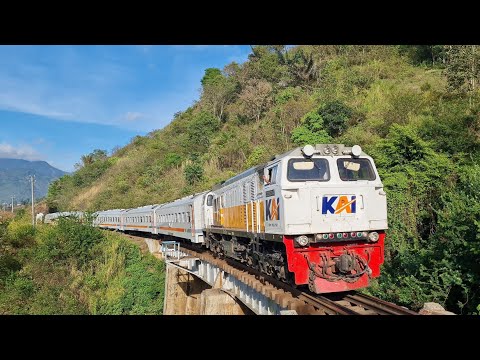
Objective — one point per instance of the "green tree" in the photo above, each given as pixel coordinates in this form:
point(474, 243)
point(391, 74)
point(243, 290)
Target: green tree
point(463, 67)
point(89, 159)
point(265, 64)
point(335, 115)
point(211, 77)
point(424, 54)
point(218, 92)
point(258, 155)
point(193, 170)
point(311, 131)
point(201, 129)
point(256, 98)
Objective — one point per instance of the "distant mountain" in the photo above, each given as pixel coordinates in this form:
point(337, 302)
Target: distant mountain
point(15, 180)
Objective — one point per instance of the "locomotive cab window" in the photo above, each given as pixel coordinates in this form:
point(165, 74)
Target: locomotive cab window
point(355, 169)
point(308, 170)
point(271, 177)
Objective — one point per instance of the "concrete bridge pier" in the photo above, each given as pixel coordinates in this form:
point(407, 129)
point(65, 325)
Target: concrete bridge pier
point(154, 246)
point(186, 294)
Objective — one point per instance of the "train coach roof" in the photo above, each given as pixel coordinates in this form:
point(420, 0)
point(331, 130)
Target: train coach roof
point(184, 200)
point(109, 211)
point(64, 213)
point(143, 208)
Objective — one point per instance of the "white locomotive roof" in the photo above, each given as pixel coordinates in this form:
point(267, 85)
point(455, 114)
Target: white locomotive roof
point(319, 148)
point(341, 150)
point(242, 175)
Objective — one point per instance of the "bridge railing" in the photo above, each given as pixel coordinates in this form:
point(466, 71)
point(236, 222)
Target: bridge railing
point(171, 250)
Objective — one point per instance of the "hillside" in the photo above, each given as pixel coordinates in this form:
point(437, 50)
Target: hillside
point(415, 109)
point(15, 180)
point(74, 269)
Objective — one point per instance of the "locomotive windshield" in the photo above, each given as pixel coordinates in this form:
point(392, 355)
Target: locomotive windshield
point(355, 169)
point(308, 170)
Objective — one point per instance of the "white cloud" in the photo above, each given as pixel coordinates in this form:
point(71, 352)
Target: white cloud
point(132, 116)
point(10, 103)
point(19, 152)
point(54, 90)
point(99, 86)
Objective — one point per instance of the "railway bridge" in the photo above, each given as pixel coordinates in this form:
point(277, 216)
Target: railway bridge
point(198, 283)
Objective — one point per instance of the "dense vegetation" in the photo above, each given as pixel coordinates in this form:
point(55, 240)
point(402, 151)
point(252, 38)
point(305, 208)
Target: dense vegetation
point(415, 109)
point(73, 268)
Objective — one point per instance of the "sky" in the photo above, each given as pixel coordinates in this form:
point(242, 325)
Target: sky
point(58, 103)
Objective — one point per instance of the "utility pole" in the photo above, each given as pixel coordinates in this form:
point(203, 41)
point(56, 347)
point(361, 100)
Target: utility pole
point(13, 197)
point(32, 180)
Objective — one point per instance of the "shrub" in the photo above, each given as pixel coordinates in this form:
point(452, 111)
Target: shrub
point(20, 234)
point(172, 159)
point(8, 265)
point(193, 173)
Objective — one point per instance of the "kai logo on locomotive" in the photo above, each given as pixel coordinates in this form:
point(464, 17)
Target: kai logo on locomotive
point(272, 207)
point(338, 204)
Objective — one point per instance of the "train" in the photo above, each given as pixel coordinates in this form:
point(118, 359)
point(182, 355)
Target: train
point(53, 217)
point(315, 216)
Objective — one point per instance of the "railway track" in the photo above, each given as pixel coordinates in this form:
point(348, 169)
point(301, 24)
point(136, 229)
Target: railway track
point(302, 301)
point(369, 305)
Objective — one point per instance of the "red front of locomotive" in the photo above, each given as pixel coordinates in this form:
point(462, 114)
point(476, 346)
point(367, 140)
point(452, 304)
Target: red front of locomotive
point(336, 266)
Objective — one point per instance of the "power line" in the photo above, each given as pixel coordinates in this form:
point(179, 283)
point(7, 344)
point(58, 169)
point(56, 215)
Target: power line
point(32, 181)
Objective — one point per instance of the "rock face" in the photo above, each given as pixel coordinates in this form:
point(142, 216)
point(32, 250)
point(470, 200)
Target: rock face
point(432, 308)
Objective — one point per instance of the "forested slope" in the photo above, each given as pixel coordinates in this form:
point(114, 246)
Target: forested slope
point(415, 109)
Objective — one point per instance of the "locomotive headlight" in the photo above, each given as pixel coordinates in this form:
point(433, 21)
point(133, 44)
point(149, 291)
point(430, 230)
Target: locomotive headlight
point(302, 240)
point(356, 150)
point(373, 236)
point(308, 150)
